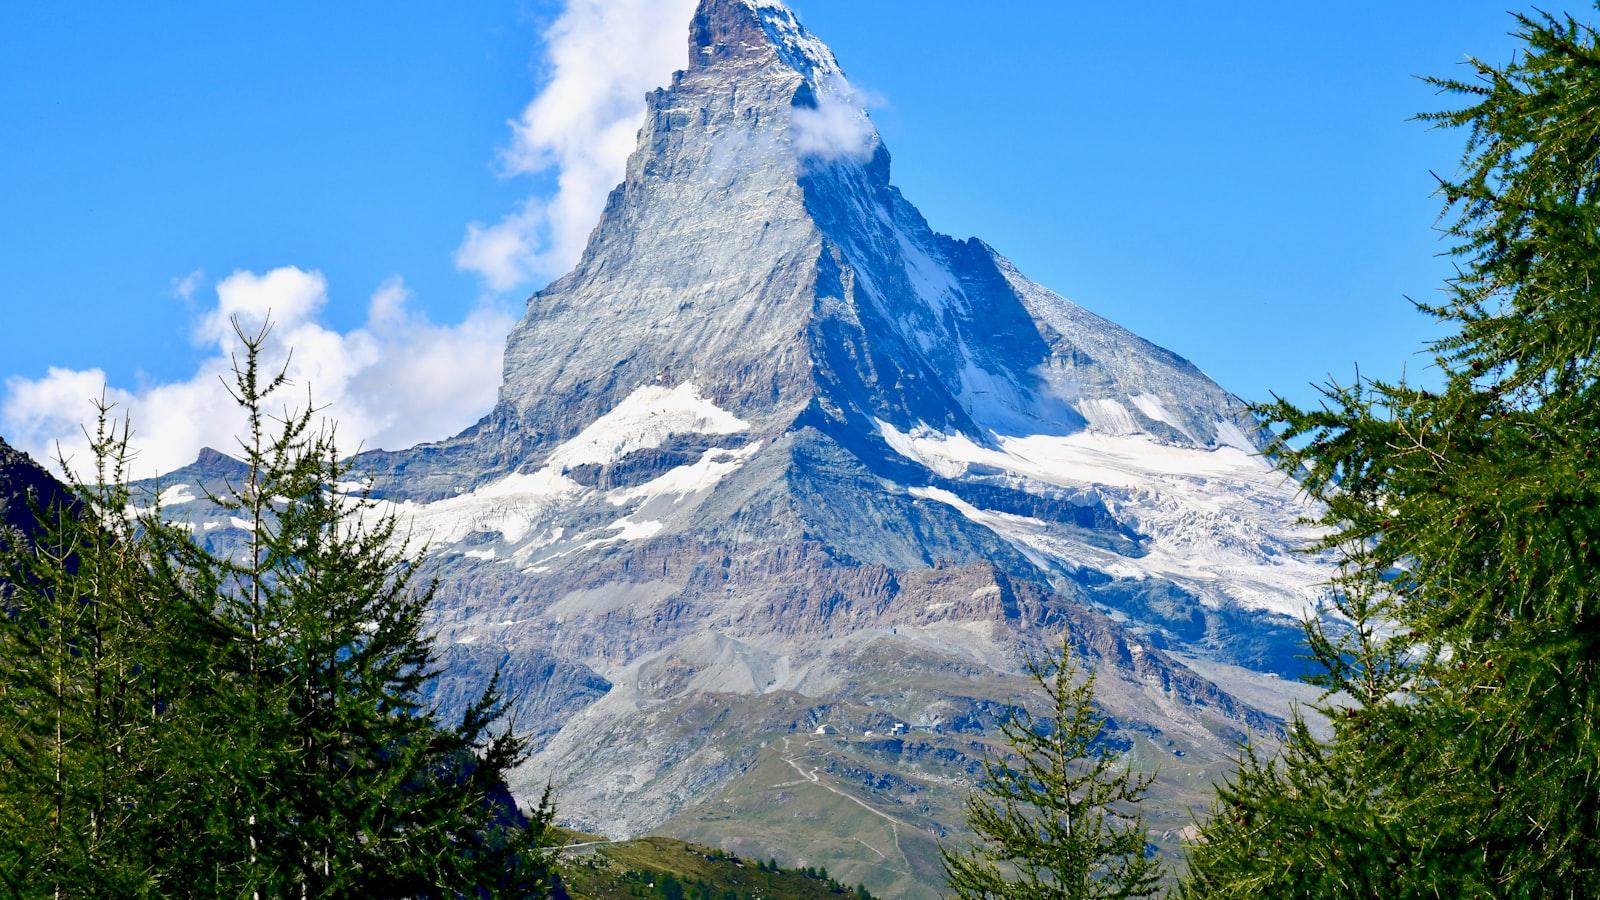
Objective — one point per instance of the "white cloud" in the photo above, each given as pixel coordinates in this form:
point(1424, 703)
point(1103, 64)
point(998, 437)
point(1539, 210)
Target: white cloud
point(184, 288)
point(506, 254)
point(396, 380)
point(289, 296)
point(603, 56)
point(838, 127)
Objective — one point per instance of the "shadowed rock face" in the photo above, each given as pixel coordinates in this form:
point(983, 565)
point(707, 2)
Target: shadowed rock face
point(25, 487)
point(775, 454)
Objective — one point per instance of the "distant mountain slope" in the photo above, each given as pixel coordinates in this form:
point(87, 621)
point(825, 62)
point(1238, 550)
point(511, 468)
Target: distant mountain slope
point(25, 487)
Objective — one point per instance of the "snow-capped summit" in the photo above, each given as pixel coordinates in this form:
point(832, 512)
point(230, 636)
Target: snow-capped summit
point(752, 30)
point(757, 227)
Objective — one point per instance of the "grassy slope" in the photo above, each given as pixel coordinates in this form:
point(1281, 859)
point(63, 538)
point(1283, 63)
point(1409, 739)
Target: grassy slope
point(606, 871)
point(778, 811)
point(874, 810)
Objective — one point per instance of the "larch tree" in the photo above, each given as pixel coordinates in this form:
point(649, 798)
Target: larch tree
point(101, 682)
point(1466, 759)
point(1056, 815)
point(348, 784)
point(181, 722)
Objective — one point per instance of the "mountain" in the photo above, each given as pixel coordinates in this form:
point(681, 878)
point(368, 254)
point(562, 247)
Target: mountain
point(782, 488)
point(25, 489)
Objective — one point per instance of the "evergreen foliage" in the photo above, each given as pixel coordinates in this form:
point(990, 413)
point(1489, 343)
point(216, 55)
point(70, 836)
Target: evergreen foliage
point(100, 697)
point(1056, 817)
point(661, 869)
point(180, 723)
point(1465, 759)
point(348, 784)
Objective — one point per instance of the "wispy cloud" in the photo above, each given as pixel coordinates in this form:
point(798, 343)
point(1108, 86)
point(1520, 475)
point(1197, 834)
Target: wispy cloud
point(602, 57)
point(184, 288)
point(396, 380)
point(838, 127)
point(506, 255)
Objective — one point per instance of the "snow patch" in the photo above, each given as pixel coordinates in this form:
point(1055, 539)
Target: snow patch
point(1230, 435)
point(509, 506)
point(1108, 415)
point(176, 495)
point(629, 530)
point(1075, 459)
point(514, 505)
point(799, 48)
point(1024, 532)
point(713, 466)
point(1152, 407)
point(643, 421)
point(931, 280)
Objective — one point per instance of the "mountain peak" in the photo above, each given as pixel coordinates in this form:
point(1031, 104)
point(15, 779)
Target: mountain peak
point(746, 32)
point(210, 465)
point(212, 457)
point(775, 443)
point(758, 251)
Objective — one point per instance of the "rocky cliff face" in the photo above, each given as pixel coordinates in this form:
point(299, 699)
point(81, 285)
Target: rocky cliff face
point(25, 489)
point(775, 455)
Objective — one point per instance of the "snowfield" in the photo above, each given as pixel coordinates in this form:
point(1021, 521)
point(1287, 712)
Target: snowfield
point(1220, 521)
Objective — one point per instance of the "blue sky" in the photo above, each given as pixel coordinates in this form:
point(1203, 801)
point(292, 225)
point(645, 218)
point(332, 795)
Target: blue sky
point(1238, 182)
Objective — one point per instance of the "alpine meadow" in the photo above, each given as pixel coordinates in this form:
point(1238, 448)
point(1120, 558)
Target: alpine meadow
point(796, 549)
